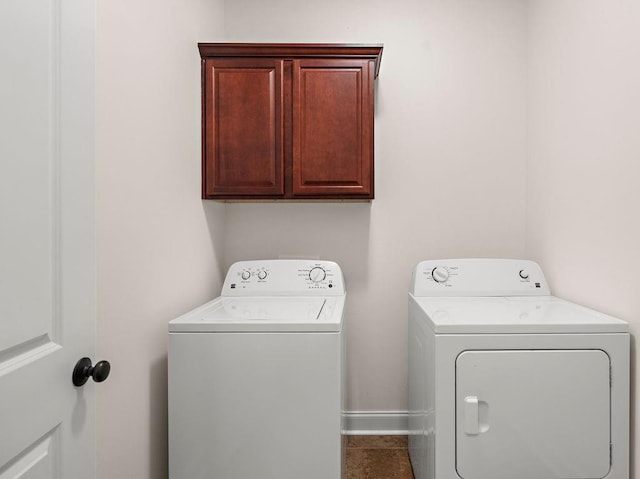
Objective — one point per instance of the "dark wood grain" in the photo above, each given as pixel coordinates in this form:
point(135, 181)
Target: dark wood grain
point(294, 50)
point(332, 125)
point(289, 121)
point(243, 127)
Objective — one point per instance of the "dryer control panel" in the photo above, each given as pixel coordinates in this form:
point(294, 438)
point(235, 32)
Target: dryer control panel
point(478, 277)
point(284, 277)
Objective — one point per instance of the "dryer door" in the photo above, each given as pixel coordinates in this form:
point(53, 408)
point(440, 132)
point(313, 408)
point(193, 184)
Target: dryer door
point(533, 414)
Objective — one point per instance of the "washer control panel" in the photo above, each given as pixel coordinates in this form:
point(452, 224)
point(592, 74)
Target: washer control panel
point(284, 277)
point(478, 277)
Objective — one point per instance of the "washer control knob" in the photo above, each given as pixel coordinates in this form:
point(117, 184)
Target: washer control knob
point(262, 274)
point(246, 274)
point(523, 274)
point(440, 274)
point(317, 274)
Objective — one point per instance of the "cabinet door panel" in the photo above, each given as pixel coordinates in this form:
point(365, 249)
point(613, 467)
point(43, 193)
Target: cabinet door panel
point(333, 128)
point(242, 128)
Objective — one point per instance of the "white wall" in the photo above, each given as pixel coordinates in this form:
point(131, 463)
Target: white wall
point(583, 200)
point(159, 248)
point(450, 161)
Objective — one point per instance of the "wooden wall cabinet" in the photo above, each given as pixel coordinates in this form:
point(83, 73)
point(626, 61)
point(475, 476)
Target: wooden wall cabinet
point(290, 121)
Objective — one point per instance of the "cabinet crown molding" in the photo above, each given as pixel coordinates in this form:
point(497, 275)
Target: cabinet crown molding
point(294, 51)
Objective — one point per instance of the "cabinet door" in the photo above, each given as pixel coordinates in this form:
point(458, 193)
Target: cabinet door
point(242, 128)
point(333, 128)
point(533, 414)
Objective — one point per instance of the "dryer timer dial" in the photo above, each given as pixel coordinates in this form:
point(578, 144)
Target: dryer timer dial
point(440, 274)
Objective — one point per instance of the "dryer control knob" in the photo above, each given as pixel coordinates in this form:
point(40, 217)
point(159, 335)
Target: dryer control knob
point(262, 274)
point(523, 274)
point(440, 274)
point(246, 274)
point(317, 274)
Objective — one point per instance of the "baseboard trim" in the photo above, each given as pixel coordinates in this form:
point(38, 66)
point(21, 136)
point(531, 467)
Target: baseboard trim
point(376, 422)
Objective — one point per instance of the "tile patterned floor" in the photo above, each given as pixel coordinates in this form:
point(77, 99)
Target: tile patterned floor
point(378, 457)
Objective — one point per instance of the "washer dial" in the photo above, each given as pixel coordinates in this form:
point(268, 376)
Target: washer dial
point(262, 274)
point(317, 274)
point(246, 274)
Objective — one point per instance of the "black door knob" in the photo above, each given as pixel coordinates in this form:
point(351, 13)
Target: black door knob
point(84, 370)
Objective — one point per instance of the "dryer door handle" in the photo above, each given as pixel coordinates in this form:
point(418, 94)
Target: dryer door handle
point(471, 416)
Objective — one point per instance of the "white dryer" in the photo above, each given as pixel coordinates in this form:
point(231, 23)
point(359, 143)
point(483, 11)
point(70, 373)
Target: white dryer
point(256, 376)
point(507, 381)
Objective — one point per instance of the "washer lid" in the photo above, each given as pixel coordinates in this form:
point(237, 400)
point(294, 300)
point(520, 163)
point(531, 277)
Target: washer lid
point(264, 313)
point(500, 315)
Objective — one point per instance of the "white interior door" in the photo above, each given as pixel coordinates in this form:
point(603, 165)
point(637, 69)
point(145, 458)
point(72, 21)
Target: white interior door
point(47, 297)
point(533, 414)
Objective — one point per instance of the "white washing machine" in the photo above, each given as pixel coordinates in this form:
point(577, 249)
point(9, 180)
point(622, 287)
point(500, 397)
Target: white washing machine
point(509, 382)
point(256, 376)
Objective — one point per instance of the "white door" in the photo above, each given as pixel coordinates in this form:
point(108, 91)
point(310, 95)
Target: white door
point(47, 297)
point(533, 414)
